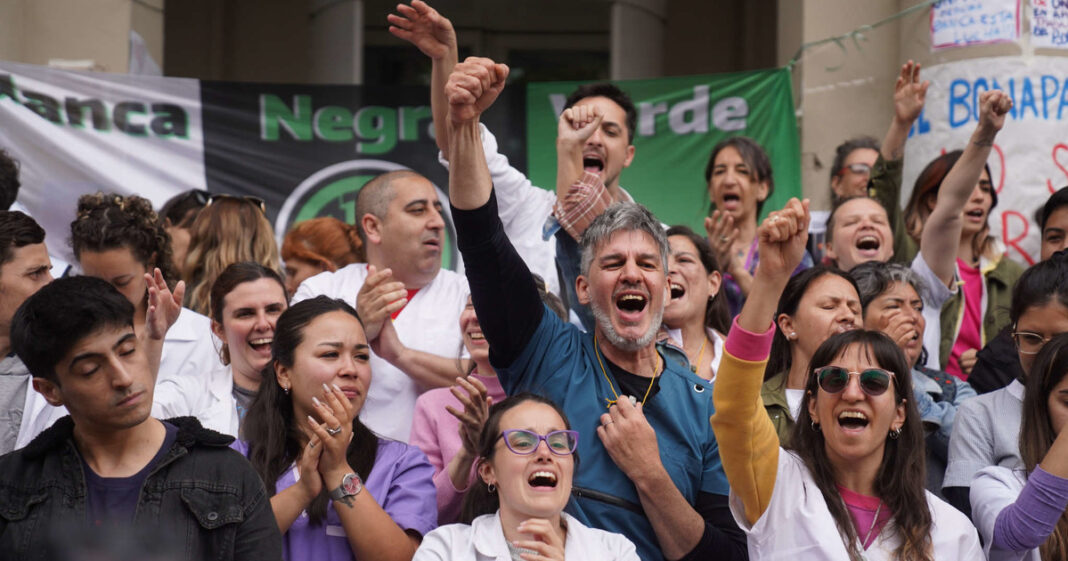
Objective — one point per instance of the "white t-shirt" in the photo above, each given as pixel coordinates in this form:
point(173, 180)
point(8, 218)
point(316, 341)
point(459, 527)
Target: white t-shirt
point(797, 524)
point(484, 540)
point(192, 379)
point(993, 489)
point(934, 296)
point(430, 322)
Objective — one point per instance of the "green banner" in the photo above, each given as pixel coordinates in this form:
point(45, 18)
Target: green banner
point(679, 121)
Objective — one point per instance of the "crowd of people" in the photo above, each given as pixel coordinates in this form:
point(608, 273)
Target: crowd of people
point(740, 393)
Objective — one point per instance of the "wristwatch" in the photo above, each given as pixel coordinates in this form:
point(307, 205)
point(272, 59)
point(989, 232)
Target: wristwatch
point(350, 487)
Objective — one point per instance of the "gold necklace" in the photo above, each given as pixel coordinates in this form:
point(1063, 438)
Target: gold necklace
point(611, 402)
point(696, 365)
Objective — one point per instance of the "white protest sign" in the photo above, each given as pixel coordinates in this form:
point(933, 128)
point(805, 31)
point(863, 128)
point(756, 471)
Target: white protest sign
point(1030, 156)
point(957, 23)
point(1049, 23)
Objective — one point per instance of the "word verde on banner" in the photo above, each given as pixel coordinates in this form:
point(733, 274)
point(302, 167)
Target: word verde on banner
point(679, 121)
point(1030, 157)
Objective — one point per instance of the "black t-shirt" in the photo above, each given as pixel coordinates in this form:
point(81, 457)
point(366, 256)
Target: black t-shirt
point(113, 500)
point(633, 384)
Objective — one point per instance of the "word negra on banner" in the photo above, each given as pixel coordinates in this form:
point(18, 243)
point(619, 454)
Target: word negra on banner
point(376, 128)
point(136, 118)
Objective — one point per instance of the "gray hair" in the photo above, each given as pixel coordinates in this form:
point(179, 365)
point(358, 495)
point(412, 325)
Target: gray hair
point(622, 217)
point(874, 278)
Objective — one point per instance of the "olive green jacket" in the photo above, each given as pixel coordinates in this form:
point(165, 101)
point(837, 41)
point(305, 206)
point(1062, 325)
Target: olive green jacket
point(1000, 276)
point(773, 394)
point(885, 187)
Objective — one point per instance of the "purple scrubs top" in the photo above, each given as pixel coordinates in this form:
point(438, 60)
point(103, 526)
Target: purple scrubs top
point(402, 484)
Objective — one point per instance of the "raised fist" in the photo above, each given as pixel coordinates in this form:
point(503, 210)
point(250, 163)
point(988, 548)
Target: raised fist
point(472, 87)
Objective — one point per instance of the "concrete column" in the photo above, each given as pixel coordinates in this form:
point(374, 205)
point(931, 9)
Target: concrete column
point(335, 49)
point(36, 31)
point(637, 39)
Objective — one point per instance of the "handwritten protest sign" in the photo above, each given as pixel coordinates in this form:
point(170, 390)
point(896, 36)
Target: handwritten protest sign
point(1030, 156)
point(1049, 23)
point(957, 23)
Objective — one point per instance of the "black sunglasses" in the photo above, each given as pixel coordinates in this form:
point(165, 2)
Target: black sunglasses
point(873, 381)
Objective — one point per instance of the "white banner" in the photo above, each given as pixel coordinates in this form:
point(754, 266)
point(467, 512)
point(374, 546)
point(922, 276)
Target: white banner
point(1030, 156)
point(77, 133)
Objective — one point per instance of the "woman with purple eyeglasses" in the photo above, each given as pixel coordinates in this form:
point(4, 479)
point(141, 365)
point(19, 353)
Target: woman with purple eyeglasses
point(515, 510)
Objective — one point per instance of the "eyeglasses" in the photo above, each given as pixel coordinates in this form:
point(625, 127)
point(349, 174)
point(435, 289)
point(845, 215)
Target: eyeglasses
point(859, 169)
point(524, 442)
point(873, 381)
point(1029, 343)
point(249, 198)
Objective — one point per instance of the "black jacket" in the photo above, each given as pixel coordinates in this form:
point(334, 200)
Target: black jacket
point(202, 501)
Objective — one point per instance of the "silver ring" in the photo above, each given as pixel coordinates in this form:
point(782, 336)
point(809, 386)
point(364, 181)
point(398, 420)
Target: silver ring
point(610, 421)
point(334, 431)
point(723, 239)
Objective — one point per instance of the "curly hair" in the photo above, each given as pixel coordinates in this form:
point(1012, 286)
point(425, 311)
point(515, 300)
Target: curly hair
point(107, 221)
point(324, 241)
point(229, 230)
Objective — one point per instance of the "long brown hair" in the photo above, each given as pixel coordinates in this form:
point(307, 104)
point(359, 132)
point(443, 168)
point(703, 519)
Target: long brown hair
point(902, 474)
point(1036, 433)
point(228, 230)
point(925, 192)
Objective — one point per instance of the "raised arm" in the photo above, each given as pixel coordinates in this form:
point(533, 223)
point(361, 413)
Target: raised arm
point(502, 289)
point(433, 34)
point(576, 126)
point(909, 96)
point(748, 445)
point(1028, 522)
point(941, 233)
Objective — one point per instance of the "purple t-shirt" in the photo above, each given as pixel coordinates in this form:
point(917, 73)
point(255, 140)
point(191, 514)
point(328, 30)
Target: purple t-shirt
point(113, 500)
point(402, 484)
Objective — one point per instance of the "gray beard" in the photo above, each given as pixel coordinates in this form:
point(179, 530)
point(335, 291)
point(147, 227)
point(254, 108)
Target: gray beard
point(620, 342)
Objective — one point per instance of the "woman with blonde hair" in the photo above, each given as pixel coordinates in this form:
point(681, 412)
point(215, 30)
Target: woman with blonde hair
point(228, 230)
point(318, 245)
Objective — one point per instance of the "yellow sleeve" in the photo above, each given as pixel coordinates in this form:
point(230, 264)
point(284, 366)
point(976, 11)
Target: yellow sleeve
point(748, 445)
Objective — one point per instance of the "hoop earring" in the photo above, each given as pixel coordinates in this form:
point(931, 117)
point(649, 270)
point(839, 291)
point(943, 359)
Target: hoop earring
point(285, 390)
point(492, 488)
point(895, 433)
point(814, 425)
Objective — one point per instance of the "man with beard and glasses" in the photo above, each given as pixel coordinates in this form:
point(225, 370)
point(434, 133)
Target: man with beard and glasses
point(401, 293)
point(652, 472)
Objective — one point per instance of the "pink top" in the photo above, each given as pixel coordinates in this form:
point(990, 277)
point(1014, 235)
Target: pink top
point(437, 433)
point(969, 336)
point(862, 510)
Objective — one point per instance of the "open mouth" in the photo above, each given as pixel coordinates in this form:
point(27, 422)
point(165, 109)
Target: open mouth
point(542, 479)
point(868, 243)
point(592, 163)
point(432, 243)
point(263, 344)
point(853, 420)
point(632, 303)
point(732, 200)
point(975, 214)
point(677, 291)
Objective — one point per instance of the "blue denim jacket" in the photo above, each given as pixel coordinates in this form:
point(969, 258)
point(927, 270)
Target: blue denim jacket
point(203, 498)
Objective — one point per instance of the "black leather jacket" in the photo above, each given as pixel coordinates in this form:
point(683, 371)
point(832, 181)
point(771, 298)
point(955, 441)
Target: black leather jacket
point(203, 500)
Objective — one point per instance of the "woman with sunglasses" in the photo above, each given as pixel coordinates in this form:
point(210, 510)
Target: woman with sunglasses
point(119, 239)
point(338, 491)
point(1021, 511)
point(851, 483)
point(526, 460)
point(986, 430)
point(816, 304)
point(228, 230)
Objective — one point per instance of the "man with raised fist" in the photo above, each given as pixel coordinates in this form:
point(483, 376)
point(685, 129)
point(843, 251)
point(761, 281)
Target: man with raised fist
point(650, 463)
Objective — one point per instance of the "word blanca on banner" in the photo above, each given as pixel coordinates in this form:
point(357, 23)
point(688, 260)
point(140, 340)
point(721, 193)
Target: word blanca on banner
point(688, 116)
point(956, 23)
point(1049, 23)
point(136, 118)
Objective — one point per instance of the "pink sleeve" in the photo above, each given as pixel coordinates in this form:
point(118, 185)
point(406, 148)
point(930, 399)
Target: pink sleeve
point(746, 345)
